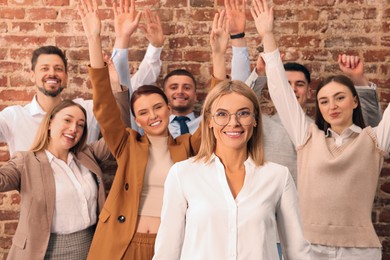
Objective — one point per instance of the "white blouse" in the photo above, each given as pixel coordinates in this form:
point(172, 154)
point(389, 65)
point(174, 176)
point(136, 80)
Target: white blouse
point(202, 220)
point(75, 198)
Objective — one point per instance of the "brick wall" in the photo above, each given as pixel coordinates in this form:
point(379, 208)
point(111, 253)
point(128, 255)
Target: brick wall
point(312, 32)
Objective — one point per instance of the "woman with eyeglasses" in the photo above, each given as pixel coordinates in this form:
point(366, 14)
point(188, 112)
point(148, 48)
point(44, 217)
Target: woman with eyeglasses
point(226, 202)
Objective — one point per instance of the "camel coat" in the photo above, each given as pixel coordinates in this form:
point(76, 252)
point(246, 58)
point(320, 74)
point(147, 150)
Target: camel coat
point(118, 219)
point(31, 174)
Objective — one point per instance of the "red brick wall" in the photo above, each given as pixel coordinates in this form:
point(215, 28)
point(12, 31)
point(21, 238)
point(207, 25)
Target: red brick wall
point(312, 32)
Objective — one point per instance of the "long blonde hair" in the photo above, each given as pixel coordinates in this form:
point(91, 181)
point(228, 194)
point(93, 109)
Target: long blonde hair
point(42, 138)
point(255, 144)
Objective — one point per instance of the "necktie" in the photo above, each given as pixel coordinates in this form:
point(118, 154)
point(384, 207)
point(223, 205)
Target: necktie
point(182, 122)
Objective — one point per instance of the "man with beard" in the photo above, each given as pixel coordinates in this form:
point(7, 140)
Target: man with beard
point(180, 87)
point(19, 124)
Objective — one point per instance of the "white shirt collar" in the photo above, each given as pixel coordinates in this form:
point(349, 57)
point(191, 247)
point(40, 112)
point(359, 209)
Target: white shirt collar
point(248, 162)
point(35, 108)
point(346, 133)
point(51, 157)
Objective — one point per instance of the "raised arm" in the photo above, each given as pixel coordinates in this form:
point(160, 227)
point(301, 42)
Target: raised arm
point(105, 108)
point(125, 23)
point(353, 67)
point(150, 67)
point(92, 26)
point(219, 39)
point(236, 23)
point(283, 97)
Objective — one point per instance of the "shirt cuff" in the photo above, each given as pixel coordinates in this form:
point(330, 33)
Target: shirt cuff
point(153, 53)
point(371, 85)
point(269, 55)
point(250, 81)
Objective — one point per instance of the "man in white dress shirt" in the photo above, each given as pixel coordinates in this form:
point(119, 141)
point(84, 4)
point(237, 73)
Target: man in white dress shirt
point(19, 124)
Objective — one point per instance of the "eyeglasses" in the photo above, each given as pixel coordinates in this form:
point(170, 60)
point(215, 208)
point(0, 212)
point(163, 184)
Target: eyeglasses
point(244, 117)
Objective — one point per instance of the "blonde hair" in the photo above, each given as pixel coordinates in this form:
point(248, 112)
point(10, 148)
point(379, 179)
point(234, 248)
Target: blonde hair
point(42, 138)
point(255, 144)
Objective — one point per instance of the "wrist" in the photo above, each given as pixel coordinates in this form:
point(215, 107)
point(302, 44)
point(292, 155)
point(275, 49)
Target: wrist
point(121, 42)
point(157, 45)
point(359, 80)
point(240, 42)
point(237, 35)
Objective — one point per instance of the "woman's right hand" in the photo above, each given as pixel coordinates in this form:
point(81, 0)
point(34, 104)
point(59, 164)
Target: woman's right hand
point(264, 22)
point(90, 19)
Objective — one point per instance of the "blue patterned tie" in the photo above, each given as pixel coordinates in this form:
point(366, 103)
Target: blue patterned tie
point(183, 125)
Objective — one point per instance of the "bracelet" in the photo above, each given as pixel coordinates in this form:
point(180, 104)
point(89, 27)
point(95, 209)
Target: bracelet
point(237, 36)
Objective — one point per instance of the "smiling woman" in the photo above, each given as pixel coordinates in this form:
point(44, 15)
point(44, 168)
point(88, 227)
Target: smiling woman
point(339, 159)
point(61, 187)
point(149, 106)
point(131, 216)
point(226, 200)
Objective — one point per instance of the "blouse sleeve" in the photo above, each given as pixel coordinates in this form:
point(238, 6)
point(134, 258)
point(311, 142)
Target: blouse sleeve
point(382, 131)
point(290, 112)
point(170, 235)
point(290, 229)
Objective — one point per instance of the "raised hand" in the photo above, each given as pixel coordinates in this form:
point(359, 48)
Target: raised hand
point(350, 65)
point(88, 13)
point(264, 22)
point(92, 25)
point(219, 37)
point(153, 29)
point(353, 67)
point(235, 16)
point(263, 16)
point(126, 21)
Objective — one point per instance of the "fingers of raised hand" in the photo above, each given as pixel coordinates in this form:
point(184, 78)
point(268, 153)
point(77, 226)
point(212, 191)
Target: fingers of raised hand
point(221, 20)
point(85, 6)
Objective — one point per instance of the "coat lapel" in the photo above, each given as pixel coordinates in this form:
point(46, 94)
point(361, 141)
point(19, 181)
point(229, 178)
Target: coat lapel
point(83, 159)
point(178, 152)
point(48, 183)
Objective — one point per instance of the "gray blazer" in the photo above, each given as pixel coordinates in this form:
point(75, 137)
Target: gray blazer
point(30, 173)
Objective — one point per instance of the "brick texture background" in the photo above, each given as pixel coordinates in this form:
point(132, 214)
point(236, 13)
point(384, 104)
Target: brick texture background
point(312, 32)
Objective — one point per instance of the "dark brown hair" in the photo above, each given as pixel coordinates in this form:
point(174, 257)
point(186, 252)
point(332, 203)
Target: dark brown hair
point(144, 91)
point(357, 117)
